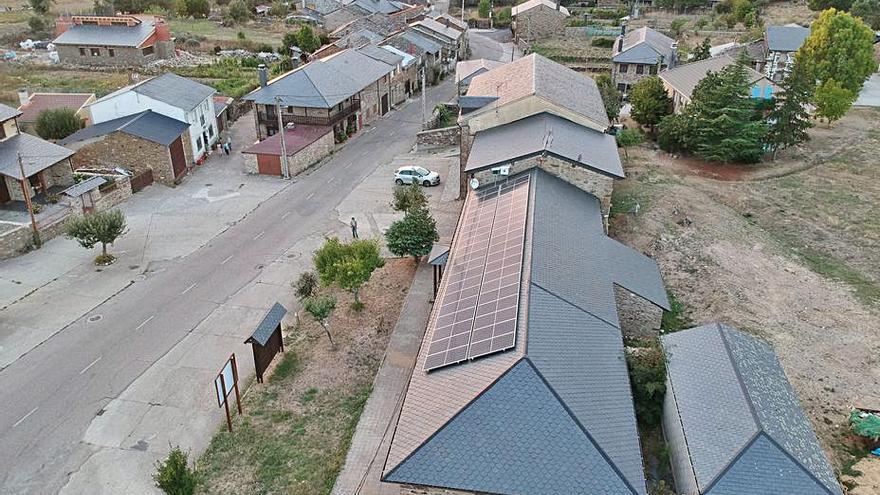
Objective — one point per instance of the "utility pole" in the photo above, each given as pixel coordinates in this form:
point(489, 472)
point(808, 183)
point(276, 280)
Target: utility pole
point(285, 166)
point(26, 189)
point(424, 102)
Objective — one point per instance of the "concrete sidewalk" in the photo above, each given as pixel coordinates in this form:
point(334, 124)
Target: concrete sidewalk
point(372, 438)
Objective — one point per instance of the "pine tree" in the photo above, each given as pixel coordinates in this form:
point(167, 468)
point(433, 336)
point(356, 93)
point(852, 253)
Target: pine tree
point(789, 119)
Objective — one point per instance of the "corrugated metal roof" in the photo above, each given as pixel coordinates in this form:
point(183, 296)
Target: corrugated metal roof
point(381, 55)
point(147, 125)
point(116, 35)
point(36, 155)
point(545, 133)
point(85, 186)
point(718, 368)
point(268, 325)
point(786, 38)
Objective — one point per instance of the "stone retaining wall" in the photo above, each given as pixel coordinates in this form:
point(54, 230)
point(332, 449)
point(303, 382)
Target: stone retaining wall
point(17, 240)
point(437, 138)
point(639, 318)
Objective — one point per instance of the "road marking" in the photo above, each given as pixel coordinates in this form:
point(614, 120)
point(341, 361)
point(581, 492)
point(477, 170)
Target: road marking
point(189, 288)
point(145, 322)
point(90, 365)
point(331, 180)
point(259, 235)
point(310, 196)
point(227, 259)
point(26, 416)
point(285, 215)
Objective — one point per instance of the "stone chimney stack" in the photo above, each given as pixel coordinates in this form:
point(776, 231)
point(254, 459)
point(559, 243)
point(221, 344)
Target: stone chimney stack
point(23, 96)
point(622, 35)
point(263, 74)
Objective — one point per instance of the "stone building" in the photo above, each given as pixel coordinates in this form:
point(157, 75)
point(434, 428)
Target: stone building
point(344, 91)
point(405, 78)
point(521, 383)
point(305, 146)
point(124, 40)
point(538, 19)
point(453, 41)
point(640, 53)
point(140, 142)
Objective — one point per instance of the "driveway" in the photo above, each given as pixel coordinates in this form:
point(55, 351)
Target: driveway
point(96, 403)
point(870, 95)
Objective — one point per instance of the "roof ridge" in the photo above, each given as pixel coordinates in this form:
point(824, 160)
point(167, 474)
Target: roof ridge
point(315, 86)
point(797, 462)
point(557, 296)
point(587, 434)
point(722, 332)
point(731, 462)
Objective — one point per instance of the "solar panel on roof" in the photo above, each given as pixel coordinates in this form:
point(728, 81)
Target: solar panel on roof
point(478, 310)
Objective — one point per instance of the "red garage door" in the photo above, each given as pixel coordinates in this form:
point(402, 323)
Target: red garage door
point(269, 164)
point(178, 158)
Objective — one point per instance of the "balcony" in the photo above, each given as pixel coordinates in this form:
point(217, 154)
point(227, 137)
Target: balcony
point(270, 120)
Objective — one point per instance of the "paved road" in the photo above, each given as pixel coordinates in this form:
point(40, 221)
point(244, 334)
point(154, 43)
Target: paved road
point(492, 44)
point(49, 396)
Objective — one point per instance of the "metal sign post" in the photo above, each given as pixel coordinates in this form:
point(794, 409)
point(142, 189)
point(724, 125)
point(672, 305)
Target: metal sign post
point(225, 382)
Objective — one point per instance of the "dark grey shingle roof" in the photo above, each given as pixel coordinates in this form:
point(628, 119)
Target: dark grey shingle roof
point(147, 125)
point(36, 155)
point(473, 102)
point(545, 133)
point(175, 90)
point(106, 35)
point(381, 55)
point(644, 46)
point(718, 368)
point(497, 445)
point(786, 38)
point(267, 325)
point(7, 112)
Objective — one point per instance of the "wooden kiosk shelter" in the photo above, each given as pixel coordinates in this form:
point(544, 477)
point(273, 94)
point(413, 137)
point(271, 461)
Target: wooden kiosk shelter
point(437, 260)
point(266, 340)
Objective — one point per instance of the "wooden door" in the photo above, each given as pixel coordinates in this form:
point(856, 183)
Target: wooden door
point(178, 158)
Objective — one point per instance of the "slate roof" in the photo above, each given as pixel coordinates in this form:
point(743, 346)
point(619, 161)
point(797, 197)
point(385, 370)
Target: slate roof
point(465, 70)
point(786, 38)
point(531, 4)
point(294, 139)
point(116, 35)
point(381, 55)
point(147, 125)
point(323, 83)
point(644, 46)
point(545, 133)
point(85, 186)
point(415, 43)
point(553, 415)
point(534, 75)
point(36, 155)
point(439, 254)
point(7, 112)
point(377, 6)
point(37, 102)
point(444, 18)
point(175, 90)
point(221, 103)
point(763, 443)
point(470, 103)
point(684, 78)
point(407, 58)
point(436, 28)
point(268, 324)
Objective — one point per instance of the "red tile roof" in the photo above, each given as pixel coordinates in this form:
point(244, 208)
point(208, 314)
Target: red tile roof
point(295, 139)
point(44, 101)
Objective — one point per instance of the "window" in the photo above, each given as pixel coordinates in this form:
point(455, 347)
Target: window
point(621, 87)
point(211, 130)
point(111, 52)
point(202, 119)
point(653, 70)
point(421, 172)
point(623, 68)
point(289, 109)
point(82, 52)
point(96, 52)
point(147, 50)
point(199, 143)
point(640, 69)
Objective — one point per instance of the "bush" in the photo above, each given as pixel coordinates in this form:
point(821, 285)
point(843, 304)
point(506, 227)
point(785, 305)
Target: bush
point(239, 11)
point(602, 42)
point(174, 476)
point(58, 123)
point(414, 236)
point(407, 198)
point(483, 8)
point(647, 372)
point(306, 285)
point(39, 26)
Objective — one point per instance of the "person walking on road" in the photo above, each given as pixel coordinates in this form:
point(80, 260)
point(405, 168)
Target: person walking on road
point(226, 148)
point(354, 228)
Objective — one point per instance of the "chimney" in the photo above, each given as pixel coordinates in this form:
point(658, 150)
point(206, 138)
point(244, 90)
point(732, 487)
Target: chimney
point(622, 35)
point(558, 3)
point(23, 96)
point(263, 73)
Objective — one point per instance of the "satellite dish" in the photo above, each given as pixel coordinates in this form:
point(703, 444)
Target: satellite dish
point(474, 183)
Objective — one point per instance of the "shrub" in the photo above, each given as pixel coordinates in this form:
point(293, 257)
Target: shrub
point(602, 42)
point(174, 476)
point(629, 137)
point(306, 285)
point(483, 8)
point(647, 372)
point(39, 26)
point(57, 123)
point(407, 198)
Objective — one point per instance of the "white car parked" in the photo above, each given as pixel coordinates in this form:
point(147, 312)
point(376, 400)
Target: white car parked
point(423, 176)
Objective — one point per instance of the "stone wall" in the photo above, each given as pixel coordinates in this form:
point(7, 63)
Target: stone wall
point(592, 182)
point(112, 195)
point(539, 23)
point(638, 317)
point(631, 76)
point(371, 98)
point(424, 490)
point(122, 56)
point(60, 174)
point(14, 239)
point(302, 160)
point(127, 151)
point(437, 138)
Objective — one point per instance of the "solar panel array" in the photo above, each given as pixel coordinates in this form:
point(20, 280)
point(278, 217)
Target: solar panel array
point(478, 311)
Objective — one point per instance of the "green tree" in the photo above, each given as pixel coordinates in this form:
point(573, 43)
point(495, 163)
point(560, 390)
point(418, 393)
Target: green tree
point(869, 11)
point(348, 265)
point(483, 7)
point(408, 198)
point(414, 235)
point(649, 101)
point(701, 52)
point(306, 39)
point(725, 125)
point(629, 137)
point(279, 9)
point(199, 9)
point(676, 27)
point(789, 119)
point(238, 11)
point(306, 285)
point(57, 123)
point(673, 132)
point(321, 308)
point(503, 17)
point(610, 96)
point(839, 47)
point(288, 41)
point(829, 4)
point(40, 6)
point(832, 100)
point(104, 227)
point(174, 476)
point(39, 26)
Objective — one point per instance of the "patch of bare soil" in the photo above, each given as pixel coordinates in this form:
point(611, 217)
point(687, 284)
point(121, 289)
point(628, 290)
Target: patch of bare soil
point(867, 483)
point(787, 12)
point(793, 259)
